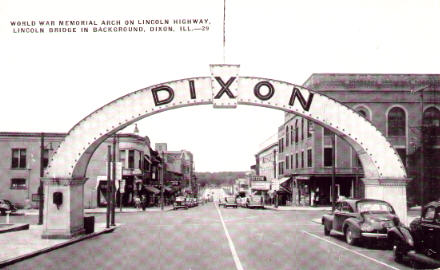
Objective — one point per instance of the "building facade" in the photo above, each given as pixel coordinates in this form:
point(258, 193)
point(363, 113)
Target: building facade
point(138, 163)
point(394, 104)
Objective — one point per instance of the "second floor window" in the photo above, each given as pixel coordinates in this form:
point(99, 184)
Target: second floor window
point(18, 183)
point(18, 159)
point(328, 157)
point(309, 158)
point(131, 159)
point(122, 158)
point(45, 158)
point(396, 122)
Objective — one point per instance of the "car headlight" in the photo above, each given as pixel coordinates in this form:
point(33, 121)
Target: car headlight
point(366, 227)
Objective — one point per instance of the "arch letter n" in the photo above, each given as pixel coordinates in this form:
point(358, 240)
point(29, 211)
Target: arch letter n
point(297, 94)
point(170, 97)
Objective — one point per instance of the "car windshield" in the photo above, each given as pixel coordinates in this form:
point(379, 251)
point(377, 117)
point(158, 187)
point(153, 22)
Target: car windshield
point(374, 207)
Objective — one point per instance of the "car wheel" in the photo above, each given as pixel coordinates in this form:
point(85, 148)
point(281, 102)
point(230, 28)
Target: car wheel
point(326, 230)
point(349, 237)
point(3, 212)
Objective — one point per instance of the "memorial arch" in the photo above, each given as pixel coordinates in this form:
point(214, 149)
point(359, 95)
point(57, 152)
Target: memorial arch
point(385, 175)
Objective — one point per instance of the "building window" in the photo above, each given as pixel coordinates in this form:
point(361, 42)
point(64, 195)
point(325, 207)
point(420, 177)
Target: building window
point(18, 159)
point(131, 159)
point(309, 158)
point(122, 158)
point(45, 158)
point(287, 162)
point(291, 161)
point(327, 132)
point(309, 129)
point(328, 157)
point(292, 138)
point(296, 131)
point(302, 129)
point(363, 113)
point(302, 159)
point(18, 183)
point(296, 160)
point(287, 136)
point(396, 122)
point(432, 120)
point(402, 154)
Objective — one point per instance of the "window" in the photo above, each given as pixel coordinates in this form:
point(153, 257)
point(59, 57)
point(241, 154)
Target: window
point(396, 122)
point(309, 129)
point(292, 138)
point(429, 213)
point(328, 157)
point(302, 159)
point(18, 159)
point(122, 158)
point(402, 154)
point(296, 131)
point(309, 158)
point(296, 160)
point(432, 120)
point(327, 132)
point(18, 183)
point(291, 161)
point(45, 158)
point(287, 162)
point(363, 113)
point(302, 129)
point(131, 159)
point(287, 136)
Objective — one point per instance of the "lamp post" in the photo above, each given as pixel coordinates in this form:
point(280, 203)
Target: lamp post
point(40, 188)
point(333, 138)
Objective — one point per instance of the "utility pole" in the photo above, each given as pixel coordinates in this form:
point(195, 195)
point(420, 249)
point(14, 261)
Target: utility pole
point(40, 188)
point(162, 169)
point(113, 182)
point(333, 136)
point(109, 158)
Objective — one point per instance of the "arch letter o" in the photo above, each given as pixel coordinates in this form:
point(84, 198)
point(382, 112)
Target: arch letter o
point(266, 96)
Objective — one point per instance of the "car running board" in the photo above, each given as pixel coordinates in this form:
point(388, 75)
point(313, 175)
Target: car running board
point(336, 232)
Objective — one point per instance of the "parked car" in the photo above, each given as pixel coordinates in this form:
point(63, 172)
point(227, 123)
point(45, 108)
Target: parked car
point(255, 202)
point(421, 241)
point(6, 205)
point(242, 201)
point(221, 202)
point(360, 219)
point(230, 201)
point(180, 202)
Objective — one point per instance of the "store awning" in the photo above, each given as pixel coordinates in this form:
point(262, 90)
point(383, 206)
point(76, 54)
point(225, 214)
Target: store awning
point(302, 177)
point(284, 179)
point(152, 189)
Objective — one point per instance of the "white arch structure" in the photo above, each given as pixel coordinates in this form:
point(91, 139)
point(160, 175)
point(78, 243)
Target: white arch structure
point(385, 175)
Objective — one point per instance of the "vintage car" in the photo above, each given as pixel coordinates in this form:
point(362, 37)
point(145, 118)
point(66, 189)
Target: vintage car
point(221, 202)
point(180, 202)
point(360, 219)
point(421, 241)
point(5, 206)
point(254, 201)
point(242, 201)
point(230, 201)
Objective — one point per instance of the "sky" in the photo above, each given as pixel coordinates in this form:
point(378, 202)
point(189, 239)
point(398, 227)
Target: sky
point(50, 81)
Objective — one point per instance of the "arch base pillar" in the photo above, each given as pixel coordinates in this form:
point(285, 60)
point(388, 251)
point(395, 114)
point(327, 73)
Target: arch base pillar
point(392, 191)
point(65, 220)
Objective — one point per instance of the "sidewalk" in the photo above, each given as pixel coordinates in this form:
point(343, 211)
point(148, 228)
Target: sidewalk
point(20, 245)
point(100, 210)
point(298, 208)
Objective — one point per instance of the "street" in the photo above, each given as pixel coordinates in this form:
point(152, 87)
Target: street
point(208, 237)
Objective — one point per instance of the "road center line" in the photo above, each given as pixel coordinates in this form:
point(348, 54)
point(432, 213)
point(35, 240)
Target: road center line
point(231, 244)
point(352, 251)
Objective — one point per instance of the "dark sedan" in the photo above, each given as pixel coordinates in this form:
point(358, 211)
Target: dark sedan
point(360, 219)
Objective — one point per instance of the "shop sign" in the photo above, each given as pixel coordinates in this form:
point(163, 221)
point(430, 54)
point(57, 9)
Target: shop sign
point(260, 185)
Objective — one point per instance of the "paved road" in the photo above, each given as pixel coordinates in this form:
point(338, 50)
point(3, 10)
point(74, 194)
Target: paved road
point(207, 237)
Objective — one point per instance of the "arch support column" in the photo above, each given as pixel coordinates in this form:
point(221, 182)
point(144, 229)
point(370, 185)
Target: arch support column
point(392, 191)
point(63, 207)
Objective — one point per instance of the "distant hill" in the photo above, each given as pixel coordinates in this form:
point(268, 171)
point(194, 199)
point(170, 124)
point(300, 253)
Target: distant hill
point(218, 178)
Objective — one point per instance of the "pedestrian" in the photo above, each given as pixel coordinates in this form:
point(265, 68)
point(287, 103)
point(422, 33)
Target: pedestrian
point(143, 202)
point(137, 202)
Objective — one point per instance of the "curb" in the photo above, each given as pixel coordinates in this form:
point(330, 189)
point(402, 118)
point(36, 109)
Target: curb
point(15, 227)
point(57, 246)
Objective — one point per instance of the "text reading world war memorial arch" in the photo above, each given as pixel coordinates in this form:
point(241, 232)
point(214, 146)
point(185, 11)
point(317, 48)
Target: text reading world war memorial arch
point(385, 175)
